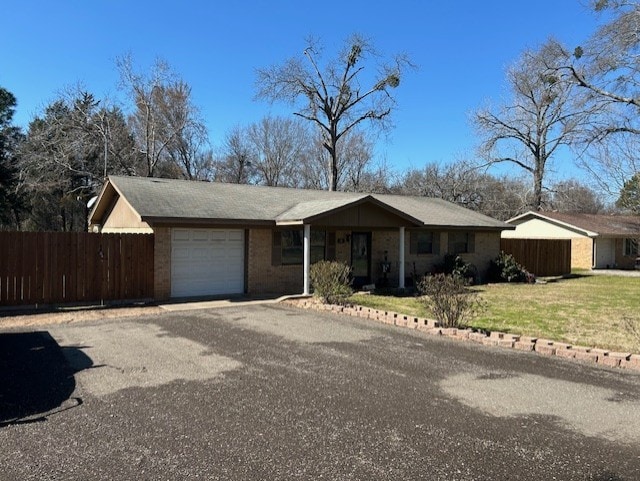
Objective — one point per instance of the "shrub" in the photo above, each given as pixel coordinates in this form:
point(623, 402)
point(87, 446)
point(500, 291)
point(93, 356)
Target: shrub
point(331, 281)
point(505, 269)
point(449, 299)
point(456, 266)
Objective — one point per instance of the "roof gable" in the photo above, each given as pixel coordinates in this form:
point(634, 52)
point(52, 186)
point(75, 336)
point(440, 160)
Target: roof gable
point(312, 211)
point(166, 201)
point(591, 225)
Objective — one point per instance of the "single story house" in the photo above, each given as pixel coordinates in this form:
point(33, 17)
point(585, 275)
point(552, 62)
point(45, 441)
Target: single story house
point(598, 241)
point(221, 239)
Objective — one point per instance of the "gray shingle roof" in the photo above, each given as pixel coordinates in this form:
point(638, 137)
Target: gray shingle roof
point(168, 199)
point(601, 224)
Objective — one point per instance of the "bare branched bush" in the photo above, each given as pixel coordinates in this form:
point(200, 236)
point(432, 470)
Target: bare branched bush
point(331, 281)
point(449, 299)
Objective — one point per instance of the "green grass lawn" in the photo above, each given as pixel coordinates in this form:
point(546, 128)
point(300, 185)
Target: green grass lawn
point(585, 310)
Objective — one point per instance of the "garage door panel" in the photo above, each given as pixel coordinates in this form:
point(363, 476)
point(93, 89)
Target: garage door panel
point(237, 236)
point(199, 236)
point(207, 262)
point(180, 234)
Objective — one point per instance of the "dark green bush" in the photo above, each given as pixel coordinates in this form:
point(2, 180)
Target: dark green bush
point(449, 299)
point(457, 266)
point(331, 281)
point(504, 268)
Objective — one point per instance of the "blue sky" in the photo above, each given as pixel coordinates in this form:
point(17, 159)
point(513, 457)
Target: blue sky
point(461, 48)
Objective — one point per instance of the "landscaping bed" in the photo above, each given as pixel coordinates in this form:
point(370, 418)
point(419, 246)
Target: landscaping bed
point(597, 311)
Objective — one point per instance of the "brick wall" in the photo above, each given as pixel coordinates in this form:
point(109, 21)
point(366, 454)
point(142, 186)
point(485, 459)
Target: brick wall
point(487, 248)
point(581, 253)
point(263, 278)
point(622, 261)
point(162, 263)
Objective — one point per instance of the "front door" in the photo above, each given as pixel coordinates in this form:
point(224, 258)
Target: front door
point(361, 258)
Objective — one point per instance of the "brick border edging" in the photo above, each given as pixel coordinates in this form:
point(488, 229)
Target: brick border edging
point(544, 347)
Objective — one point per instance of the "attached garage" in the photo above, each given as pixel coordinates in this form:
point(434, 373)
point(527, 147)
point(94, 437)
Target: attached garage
point(207, 262)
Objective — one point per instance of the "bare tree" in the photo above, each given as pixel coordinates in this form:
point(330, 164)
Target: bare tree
point(330, 96)
point(237, 159)
point(463, 184)
point(539, 119)
point(165, 122)
point(279, 145)
point(606, 69)
point(573, 196)
point(355, 153)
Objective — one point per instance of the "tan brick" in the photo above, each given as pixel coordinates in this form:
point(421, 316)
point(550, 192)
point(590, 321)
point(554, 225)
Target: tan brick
point(432, 322)
point(600, 352)
point(546, 349)
point(528, 339)
point(426, 324)
point(264, 278)
point(413, 323)
point(463, 333)
point(581, 348)
point(581, 253)
point(620, 355)
point(609, 361)
point(477, 336)
point(586, 356)
point(633, 362)
point(614, 359)
point(566, 353)
point(506, 342)
point(162, 263)
point(524, 346)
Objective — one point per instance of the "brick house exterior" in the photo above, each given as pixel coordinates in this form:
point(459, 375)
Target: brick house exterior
point(597, 241)
point(222, 239)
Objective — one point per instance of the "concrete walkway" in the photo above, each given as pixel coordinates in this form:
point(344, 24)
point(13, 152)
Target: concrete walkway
point(614, 272)
point(217, 303)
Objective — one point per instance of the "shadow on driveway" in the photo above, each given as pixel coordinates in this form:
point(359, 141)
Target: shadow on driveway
point(36, 379)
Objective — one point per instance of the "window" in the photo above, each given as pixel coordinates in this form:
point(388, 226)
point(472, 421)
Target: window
point(461, 242)
point(424, 242)
point(631, 247)
point(288, 246)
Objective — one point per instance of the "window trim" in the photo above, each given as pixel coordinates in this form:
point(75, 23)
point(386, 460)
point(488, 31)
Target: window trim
point(630, 241)
point(470, 242)
point(278, 257)
point(414, 242)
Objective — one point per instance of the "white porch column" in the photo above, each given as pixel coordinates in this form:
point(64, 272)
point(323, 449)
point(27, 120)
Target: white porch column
point(306, 256)
point(401, 258)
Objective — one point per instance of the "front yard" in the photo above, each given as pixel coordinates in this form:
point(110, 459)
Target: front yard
point(583, 310)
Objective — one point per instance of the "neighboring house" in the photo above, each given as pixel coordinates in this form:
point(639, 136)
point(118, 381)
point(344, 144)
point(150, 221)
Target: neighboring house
point(221, 239)
point(597, 241)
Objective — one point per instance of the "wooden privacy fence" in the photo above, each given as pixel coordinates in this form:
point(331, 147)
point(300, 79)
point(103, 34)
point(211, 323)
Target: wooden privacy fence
point(74, 267)
point(542, 257)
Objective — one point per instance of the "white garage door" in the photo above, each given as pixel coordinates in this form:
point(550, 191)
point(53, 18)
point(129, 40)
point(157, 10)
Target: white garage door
point(206, 262)
point(605, 252)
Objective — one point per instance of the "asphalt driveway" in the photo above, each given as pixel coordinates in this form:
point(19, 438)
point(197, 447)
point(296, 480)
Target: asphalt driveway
point(272, 392)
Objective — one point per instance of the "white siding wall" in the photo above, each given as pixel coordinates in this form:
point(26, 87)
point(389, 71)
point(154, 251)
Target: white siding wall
point(540, 229)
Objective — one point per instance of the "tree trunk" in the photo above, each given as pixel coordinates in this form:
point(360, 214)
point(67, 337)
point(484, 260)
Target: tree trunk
point(537, 192)
point(333, 178)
